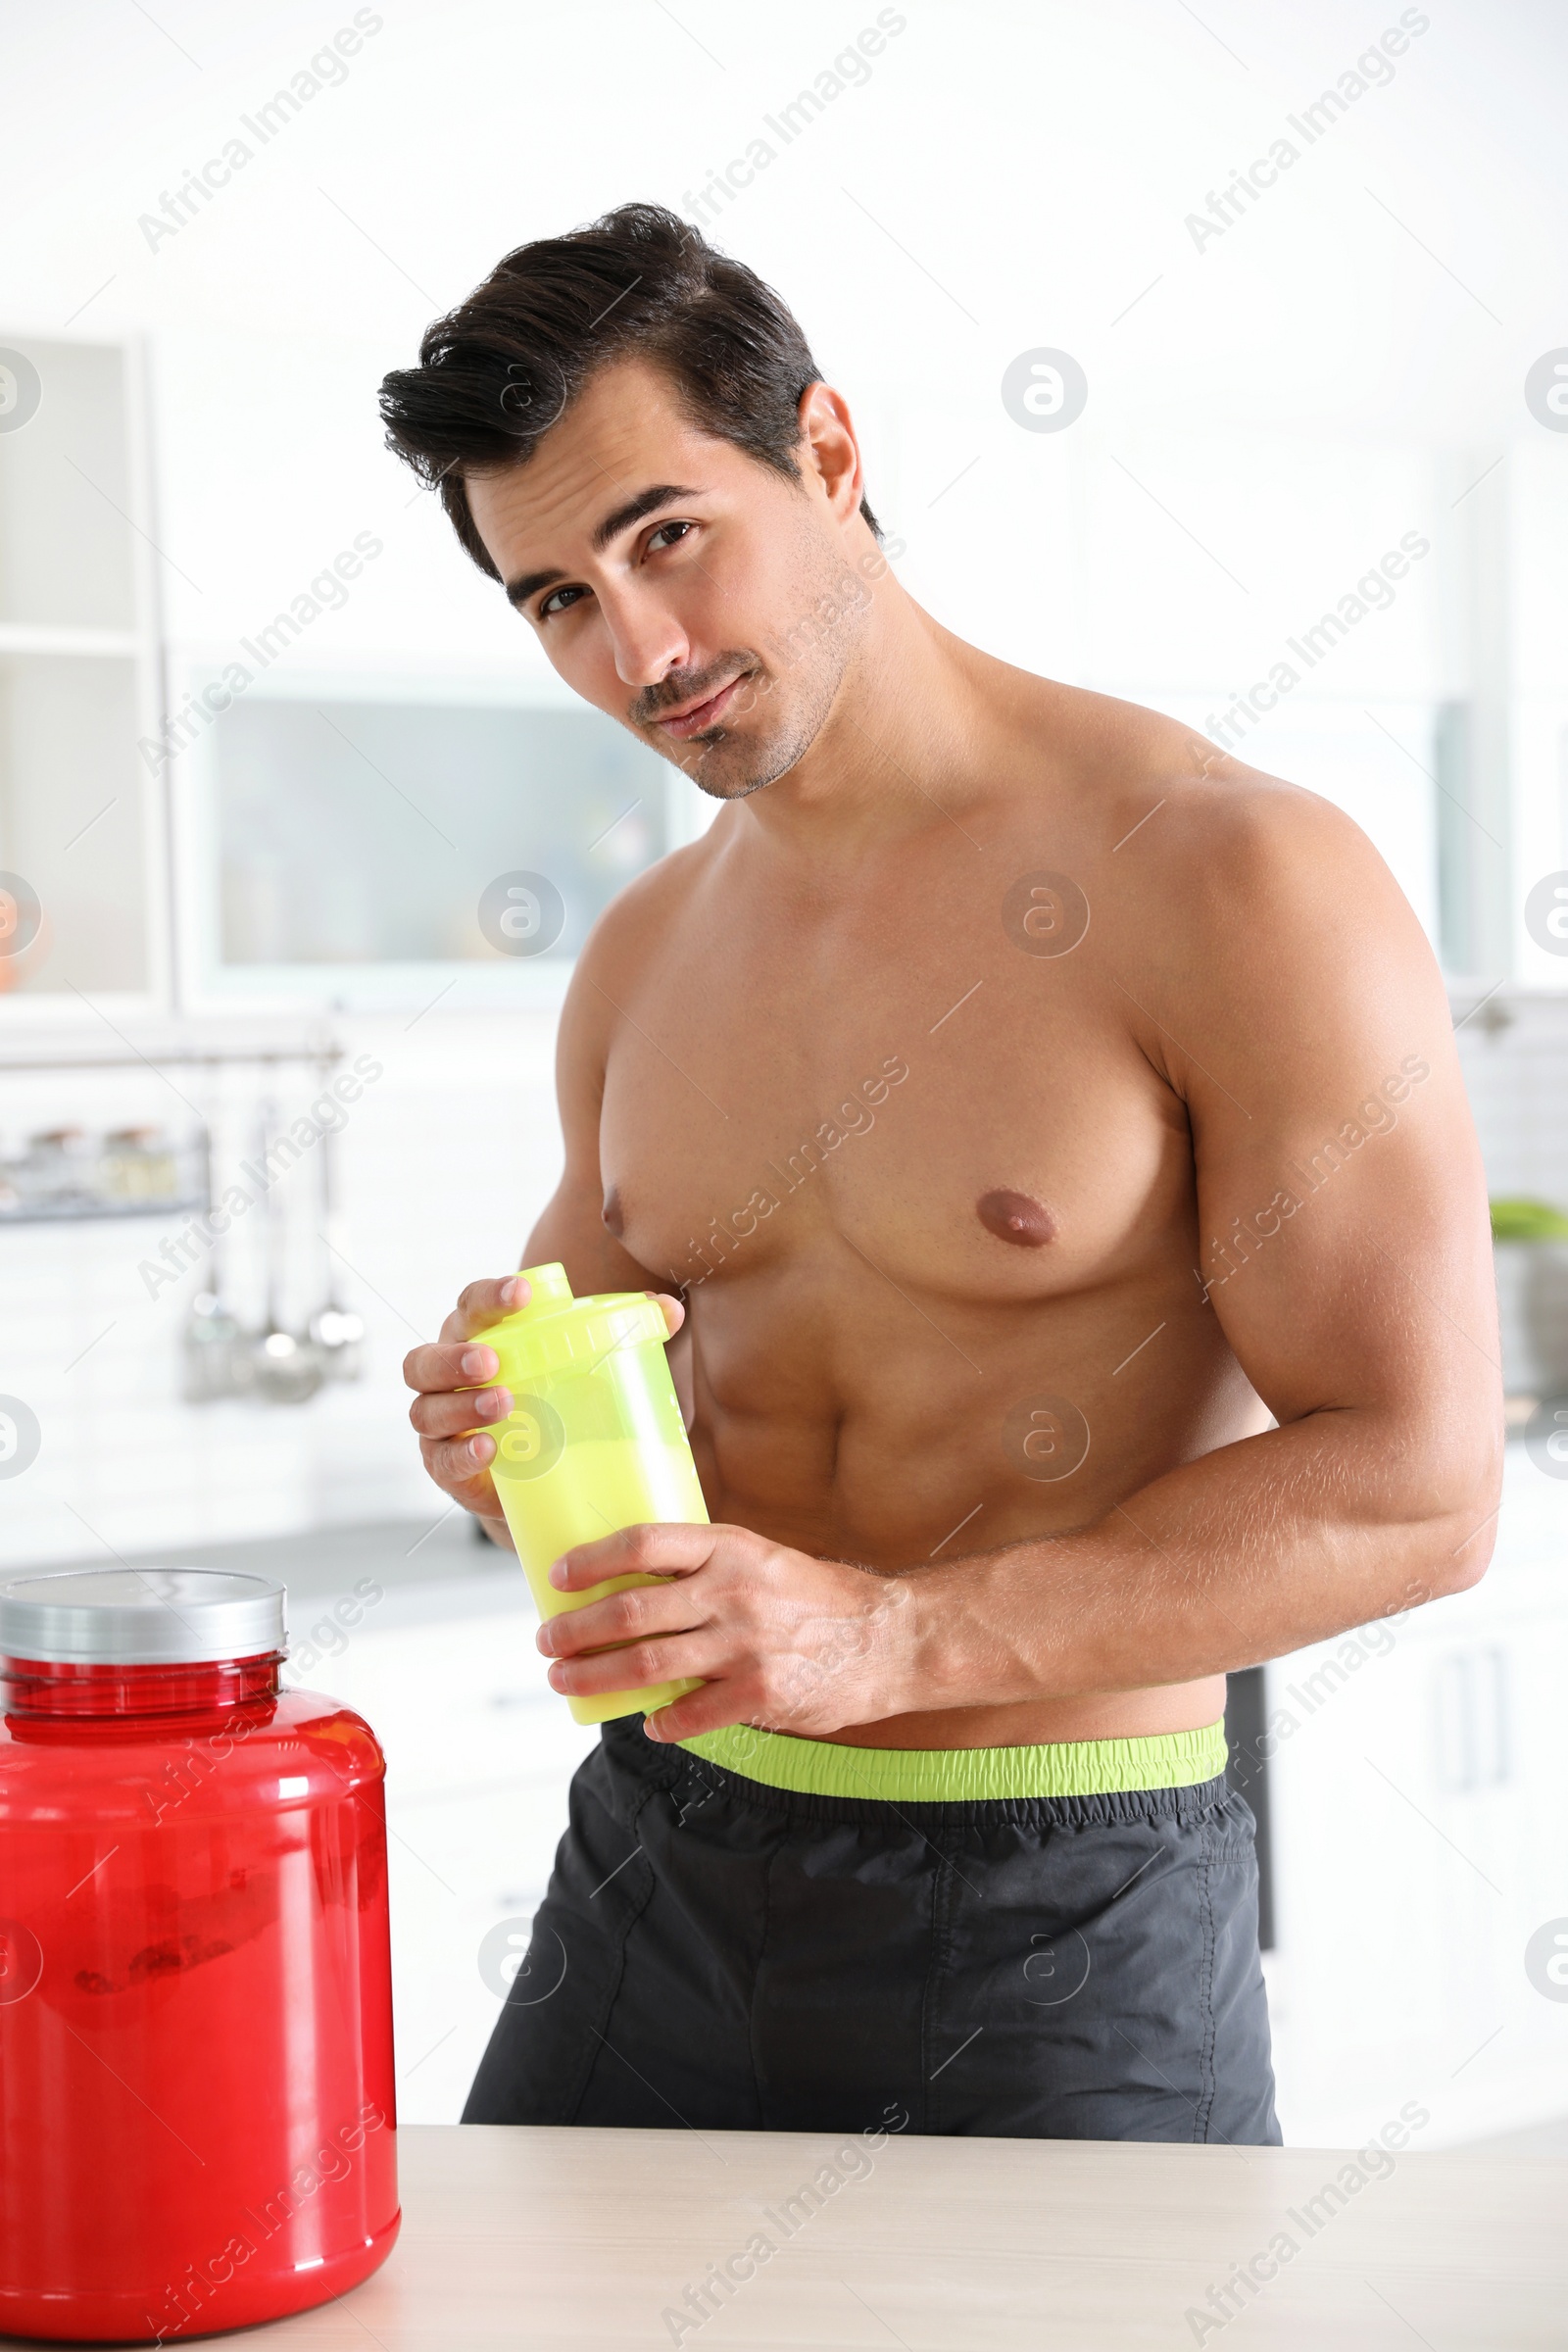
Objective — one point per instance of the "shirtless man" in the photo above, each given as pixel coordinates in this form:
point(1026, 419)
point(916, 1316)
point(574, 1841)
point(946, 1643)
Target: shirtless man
point(1047, 1137)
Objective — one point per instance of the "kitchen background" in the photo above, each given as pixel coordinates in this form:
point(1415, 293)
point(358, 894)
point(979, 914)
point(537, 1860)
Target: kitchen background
point(266, 740)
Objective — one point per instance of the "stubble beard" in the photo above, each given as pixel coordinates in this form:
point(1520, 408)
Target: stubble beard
point(728, 764)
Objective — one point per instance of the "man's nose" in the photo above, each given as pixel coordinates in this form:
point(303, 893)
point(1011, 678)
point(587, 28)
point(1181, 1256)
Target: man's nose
point(646, 638)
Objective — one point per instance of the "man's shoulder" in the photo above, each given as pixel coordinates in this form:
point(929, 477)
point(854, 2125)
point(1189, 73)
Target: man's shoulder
point(1201, 873)
point(1231, 917)
point(1147, 801)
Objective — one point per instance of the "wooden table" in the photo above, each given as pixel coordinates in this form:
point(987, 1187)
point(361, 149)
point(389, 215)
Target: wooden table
point(544, 2239)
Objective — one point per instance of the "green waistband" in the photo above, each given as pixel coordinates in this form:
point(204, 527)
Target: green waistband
point(935, 1776)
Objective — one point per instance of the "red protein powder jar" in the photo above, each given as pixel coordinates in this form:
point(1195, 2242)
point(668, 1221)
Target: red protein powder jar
point(197, 2127)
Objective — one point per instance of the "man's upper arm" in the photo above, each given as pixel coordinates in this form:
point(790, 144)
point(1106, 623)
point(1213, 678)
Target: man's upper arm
point(571, 1227)
point(1341, 1204)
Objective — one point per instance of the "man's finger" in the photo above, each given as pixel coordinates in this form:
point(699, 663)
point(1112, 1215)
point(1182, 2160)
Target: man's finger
point(709, 1709)
point(463, 1463)
point(442, 1416)
point(661, 1547)
point(486, 1302)
point(675, 1659)
point(647, 1612)
point(441, 1366)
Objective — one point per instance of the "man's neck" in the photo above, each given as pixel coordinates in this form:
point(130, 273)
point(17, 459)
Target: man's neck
point(900, 747)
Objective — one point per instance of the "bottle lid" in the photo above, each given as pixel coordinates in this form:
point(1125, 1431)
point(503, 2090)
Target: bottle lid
point(140, 1616)
point(549, 1286)
point(556, 1332)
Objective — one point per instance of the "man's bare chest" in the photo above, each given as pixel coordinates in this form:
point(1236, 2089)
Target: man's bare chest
point(966, 1130)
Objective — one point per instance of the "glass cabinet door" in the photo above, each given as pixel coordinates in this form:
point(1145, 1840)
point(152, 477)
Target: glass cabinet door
point(79, 807)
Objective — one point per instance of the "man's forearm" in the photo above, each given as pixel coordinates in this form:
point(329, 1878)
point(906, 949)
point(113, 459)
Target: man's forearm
point(1244, 1554)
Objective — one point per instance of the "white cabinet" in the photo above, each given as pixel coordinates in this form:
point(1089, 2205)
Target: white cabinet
point(1420, 1838)
point(82, 808)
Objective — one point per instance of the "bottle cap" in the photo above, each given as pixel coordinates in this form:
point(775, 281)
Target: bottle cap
point(549, 1286)
point(558, 1332)
point(140, 1616)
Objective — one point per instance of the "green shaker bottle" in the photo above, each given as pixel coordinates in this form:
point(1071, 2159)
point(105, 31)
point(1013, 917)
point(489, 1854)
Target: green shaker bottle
point(593, 1442)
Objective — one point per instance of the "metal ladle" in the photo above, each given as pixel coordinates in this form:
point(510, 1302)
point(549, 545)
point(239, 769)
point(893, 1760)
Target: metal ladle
point(283, 1368)
point(336, 1333)
point(211, 1339)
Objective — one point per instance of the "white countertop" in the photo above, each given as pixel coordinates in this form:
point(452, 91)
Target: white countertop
point(544, 2238)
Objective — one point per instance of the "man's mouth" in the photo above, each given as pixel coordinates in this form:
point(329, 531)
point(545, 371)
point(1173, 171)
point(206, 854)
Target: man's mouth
point(693, 718)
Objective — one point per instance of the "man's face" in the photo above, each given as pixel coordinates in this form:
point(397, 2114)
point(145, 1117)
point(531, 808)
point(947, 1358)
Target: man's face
point(675, 582)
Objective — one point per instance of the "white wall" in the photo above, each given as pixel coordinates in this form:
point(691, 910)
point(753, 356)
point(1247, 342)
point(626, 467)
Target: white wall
point(1008, 176)
point(446, 1160)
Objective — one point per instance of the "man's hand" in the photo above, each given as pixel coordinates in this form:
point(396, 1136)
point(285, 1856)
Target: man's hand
point(450, 1409)
point(779, 1640)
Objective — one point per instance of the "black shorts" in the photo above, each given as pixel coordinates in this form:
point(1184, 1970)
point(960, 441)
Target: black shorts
point(728, 1954)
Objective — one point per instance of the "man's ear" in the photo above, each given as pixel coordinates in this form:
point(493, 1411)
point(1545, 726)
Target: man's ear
point(830, 451)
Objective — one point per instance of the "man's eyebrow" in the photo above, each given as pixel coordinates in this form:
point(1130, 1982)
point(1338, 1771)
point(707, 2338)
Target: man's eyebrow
point(646, 501)
point(660, 494)
point(520, 590)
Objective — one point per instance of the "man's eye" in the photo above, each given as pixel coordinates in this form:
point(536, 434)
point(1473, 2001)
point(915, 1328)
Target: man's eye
point(663, 534)
point(554, 601)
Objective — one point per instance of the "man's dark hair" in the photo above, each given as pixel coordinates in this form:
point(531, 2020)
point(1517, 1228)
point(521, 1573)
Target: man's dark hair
point(498, 372)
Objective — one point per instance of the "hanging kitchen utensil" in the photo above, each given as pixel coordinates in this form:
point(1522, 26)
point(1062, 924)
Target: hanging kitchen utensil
point(336, 1332)
point(283, 1368)
point(210, 1339)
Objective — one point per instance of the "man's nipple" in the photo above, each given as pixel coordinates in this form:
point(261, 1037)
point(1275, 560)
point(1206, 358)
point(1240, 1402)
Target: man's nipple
point(1015, 1217)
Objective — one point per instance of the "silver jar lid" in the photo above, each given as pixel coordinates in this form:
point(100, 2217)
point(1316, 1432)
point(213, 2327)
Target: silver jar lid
point(140, 1616)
